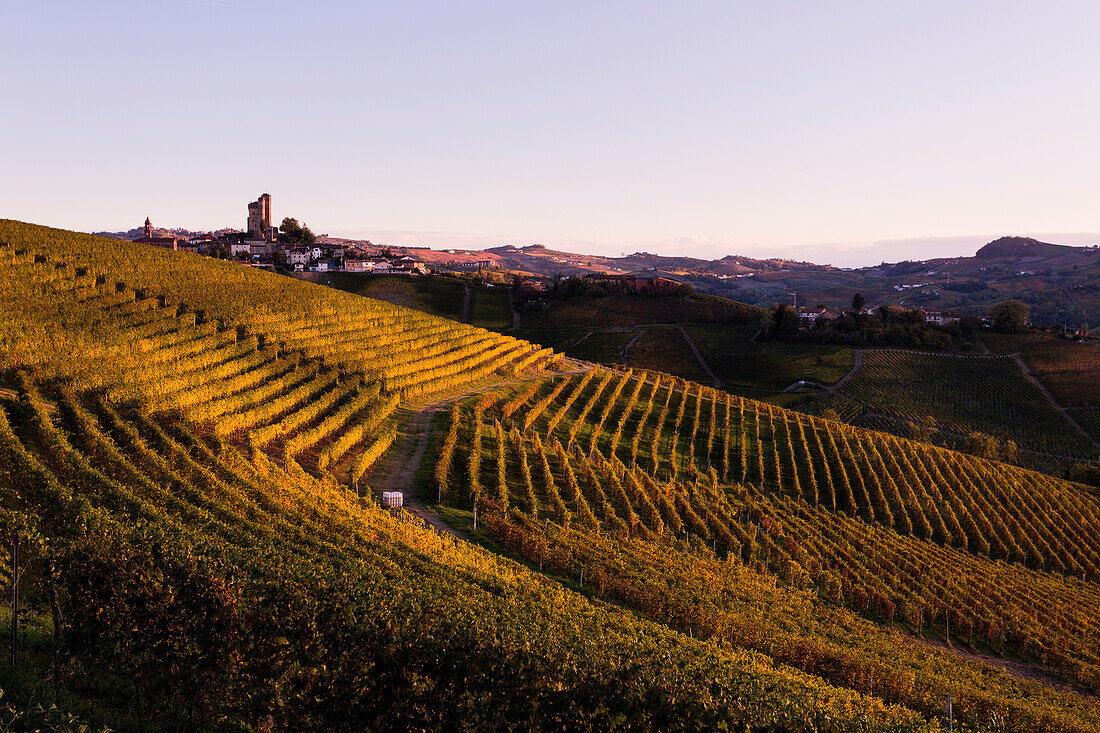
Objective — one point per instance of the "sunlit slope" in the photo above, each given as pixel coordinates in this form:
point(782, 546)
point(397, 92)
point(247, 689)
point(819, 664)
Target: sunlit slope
point(223, 588)
point(151, 392)
point(894, 530)
point(303, 386)
point(412, 352)
point(678, 431)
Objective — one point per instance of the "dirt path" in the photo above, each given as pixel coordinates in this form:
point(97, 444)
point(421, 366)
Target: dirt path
point(857, 363)
point(1053, 402)
point(699, 357)
point(579, 341)
point(466, 297)
point(1021, 670)
point(396, 469)
point(515, 313)
point(624, 353)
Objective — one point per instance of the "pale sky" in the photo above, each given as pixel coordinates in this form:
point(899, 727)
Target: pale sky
point(847, 132)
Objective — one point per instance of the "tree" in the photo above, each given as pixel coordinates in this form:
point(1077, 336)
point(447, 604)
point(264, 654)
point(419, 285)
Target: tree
point(785, 320)
point(1085, 473)
point(925, 430)
point(982, 445)
point(1009, 316)
point(858, 301)
point(292, 232)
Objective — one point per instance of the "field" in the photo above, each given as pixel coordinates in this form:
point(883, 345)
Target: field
point(190, 457)
point(1089, 419)
point(744, 366)
point(681, 502)
point(961, 394)
point(723, 331)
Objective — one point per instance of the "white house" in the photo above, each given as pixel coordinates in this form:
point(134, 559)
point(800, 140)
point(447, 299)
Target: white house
point(298, 256)
point(239, 248)
point(316, 253)
point(383, 266)
point(940, 317)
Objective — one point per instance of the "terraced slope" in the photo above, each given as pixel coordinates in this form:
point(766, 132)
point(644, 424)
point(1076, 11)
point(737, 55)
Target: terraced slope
point(895, 530)
point(314, 388)
point(182, 570)
point(412, 352)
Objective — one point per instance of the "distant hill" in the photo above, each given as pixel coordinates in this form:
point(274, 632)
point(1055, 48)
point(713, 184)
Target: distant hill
point(1024, 247)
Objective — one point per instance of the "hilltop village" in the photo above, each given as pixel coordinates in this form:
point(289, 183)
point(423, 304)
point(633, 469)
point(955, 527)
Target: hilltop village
point(292, 247)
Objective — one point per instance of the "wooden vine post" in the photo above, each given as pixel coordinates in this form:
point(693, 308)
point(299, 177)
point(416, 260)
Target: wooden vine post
point(14, 599)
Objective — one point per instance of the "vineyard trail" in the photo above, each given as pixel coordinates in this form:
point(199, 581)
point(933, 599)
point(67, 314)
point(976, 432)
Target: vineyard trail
point(1014, 667)
point(624, 354)
point(699, 357)
point(1050, 398)
point(856, 364)
point(396, 470)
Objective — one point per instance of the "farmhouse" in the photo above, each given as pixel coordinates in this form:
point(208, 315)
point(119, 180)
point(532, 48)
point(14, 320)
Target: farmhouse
point(808, 317)
point(940, 317)
point(359, 265)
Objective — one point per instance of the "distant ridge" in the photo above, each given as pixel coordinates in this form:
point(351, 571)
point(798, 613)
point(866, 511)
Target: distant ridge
point(1022, 247)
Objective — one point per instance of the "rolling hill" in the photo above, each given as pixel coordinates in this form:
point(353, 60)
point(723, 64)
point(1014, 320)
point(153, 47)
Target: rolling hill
point(192, 457)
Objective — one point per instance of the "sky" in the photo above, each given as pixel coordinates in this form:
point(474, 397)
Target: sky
point(848, 133)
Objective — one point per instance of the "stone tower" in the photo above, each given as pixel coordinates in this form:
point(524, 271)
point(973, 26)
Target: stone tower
point(148, 228)
point(259, 217)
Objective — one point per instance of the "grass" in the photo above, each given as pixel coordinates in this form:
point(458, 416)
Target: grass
point(438, 295)
point(557, 339)
point(489, 307)
point(602, 347)
point(740, 363)
point(555, 314)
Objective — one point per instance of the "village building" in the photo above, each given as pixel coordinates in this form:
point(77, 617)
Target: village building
point(940, 317)
point(258, 223)
point(169, 242)
point(359, 265)
point(809, 317)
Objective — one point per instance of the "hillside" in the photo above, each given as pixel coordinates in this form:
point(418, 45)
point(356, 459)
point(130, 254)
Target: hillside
point(192, 454)
point(1059, 282)
point(939, 397)
point(646, 488)
point(1024, 248)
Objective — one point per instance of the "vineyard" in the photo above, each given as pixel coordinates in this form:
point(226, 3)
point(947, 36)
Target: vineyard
point(256, 585)
point(316, 390)
point(896, 531)
point(962, 395)
point(186, 453)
